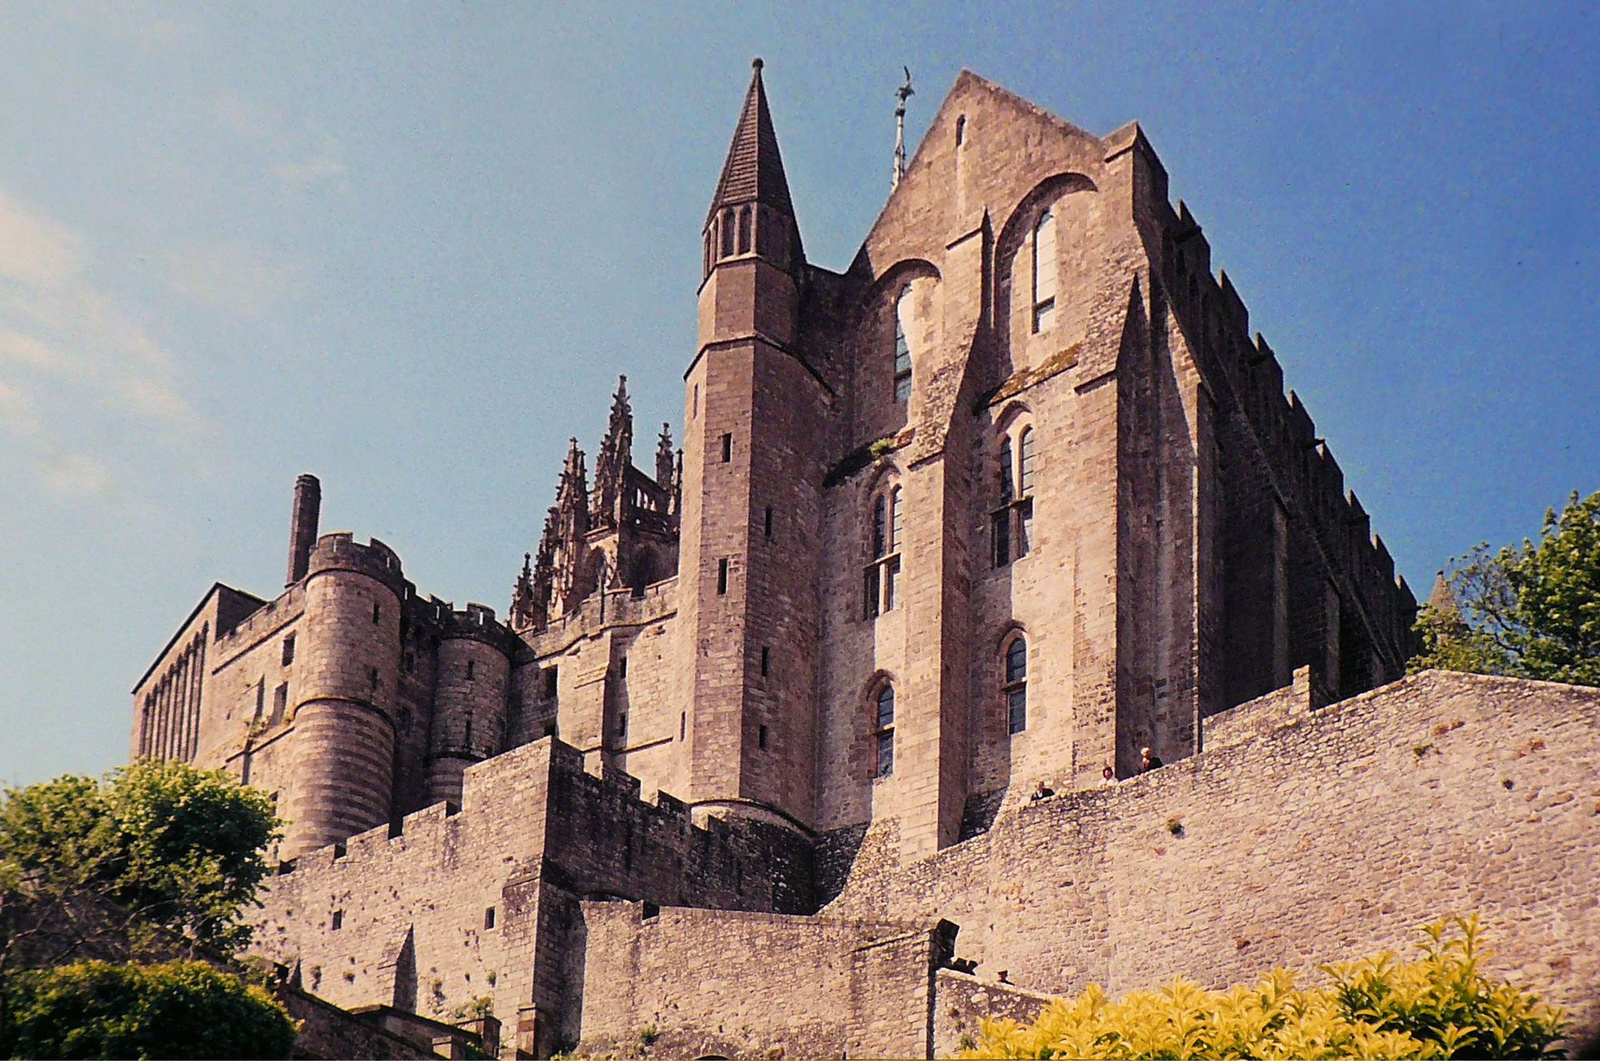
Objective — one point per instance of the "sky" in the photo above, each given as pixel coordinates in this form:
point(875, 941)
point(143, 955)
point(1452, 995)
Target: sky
point(409, 248)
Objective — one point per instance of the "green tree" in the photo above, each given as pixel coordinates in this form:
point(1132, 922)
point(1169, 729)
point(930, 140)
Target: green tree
point(154, 851)
point(1531, 611)
point(1440, 1005)
point(179, 1010)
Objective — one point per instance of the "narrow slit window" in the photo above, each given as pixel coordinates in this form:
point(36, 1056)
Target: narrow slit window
point(1007, 472)
point(744, 230)
point(880, 539)
point(766, 660)
point(550, 682)
point(377, 611)
point(472, 669)
point(1044, 271)
point(288, 650)
point(726, 222)
point(1025, 462)
point(884, 739)
point(727, 448)
point(902, 345)
point(488, 918)
point(766, 523)
point(722, 576)
point(761, 736)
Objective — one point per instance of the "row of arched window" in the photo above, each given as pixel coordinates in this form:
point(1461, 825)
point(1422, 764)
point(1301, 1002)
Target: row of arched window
point(741, 230)
point(1013, 690)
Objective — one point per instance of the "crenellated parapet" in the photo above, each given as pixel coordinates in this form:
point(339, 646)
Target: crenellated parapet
point(341, 552)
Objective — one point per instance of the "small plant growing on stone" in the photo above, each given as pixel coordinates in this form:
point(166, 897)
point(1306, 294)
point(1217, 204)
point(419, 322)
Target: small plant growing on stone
point(475, 1009)
point(1175, 826)
point(881, 447)
point(493, 977)
point(648, 1035)
point(966, 1042)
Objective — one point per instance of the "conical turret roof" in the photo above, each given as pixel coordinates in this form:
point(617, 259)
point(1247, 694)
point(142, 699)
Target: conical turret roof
point(753, 171)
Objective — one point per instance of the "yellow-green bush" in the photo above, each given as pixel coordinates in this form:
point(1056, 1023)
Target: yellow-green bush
point(1437, 1006)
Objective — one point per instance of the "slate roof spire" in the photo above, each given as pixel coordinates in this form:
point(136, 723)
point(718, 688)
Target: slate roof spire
point(753, 171)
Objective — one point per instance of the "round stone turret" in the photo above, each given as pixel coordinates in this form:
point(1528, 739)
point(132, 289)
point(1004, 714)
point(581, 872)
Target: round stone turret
point(469, 702)
point(348, 672)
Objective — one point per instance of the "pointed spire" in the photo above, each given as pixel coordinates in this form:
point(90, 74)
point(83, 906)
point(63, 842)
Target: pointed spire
point(616, 457)
point(664, 462)
point(753, 171)
point(1442, 601)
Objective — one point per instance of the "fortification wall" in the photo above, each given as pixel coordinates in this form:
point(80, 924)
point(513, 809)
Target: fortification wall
point(772, 986)
point(1326, 838)
point(452, 908)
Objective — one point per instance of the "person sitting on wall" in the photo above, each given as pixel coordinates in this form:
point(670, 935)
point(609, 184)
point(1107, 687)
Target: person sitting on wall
point(1149, 761)
point(1041, 791)
point(1108, 776)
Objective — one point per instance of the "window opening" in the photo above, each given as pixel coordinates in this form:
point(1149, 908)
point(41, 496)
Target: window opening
point(881, 577)
point(885, 732)
point(766, 658)
point(1015, 686)
point(377, 611)
point(761, 736)
point(726, 222)
point(961, 130)
point(1044, 271)
point(550, 682)
point(722, 576)
point(488, 918)
point(288, 650)
point(766, 527)
point(622, 726)
point(727, 448)
point(902, 345)
point(338, 921)
point(744, 230)
point(1011, 525)
point(472, 668)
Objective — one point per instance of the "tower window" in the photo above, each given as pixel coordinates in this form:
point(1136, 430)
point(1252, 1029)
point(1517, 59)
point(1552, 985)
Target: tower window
point(902, 345)
point(377, 611)
point(1015, 686)
point(766, 523)
point(883, 739)
point(726, 222)
point(372, 678)
point(337, 921)
point(488, 918)
point(622, 667)
point(727, 448)
point(761, 736)
point(550, 682)
point(472, 668)
point(622, 726)
point(683, 725)
point(880, 579)
point(766, 660)
point(280, 703)
point(1044, 271)
point(744, 230)
point(1011, 525)
point(722, 576)
point(694, 401)
point(961, 130)
point(288, 650)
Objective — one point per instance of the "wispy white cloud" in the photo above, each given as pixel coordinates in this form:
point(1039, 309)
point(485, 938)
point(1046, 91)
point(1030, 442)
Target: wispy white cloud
point(76, 362)
point(233, 277)
point(297, 157)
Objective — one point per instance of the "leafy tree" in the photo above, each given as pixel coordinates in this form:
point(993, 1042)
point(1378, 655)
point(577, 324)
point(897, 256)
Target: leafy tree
point(156, 858)
point(178, 1010)
point(1530, 612)
point(1440, 1005)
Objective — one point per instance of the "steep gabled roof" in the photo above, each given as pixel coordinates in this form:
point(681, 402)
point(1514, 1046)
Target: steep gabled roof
point(753, 171)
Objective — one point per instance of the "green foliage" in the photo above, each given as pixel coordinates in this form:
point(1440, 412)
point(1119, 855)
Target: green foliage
point(882, 447)
point(178, 849)
point(1531, 611)
point(179, 1010)
point(1438, 1006)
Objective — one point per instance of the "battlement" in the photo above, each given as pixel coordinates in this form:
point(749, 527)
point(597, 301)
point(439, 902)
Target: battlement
point(285, 608)
point(340, 552)
point(612, 608)
point(1217, 322)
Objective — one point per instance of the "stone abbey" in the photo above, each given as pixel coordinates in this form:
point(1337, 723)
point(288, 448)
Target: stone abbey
point(748, 761)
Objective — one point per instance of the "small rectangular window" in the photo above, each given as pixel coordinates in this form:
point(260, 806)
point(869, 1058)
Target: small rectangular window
point(622, 667)
point(488, 918)
point(766, 656)
point(372, 678)
point(761, 736)
point(377, 611)
point(766, 524)
point(891, 583)
point(727, 448)
point(1024, 528)
point(870, 598)
point(694, 404)
point(288, 650)
point(1000, 529)
point(722, 576)
point(886, 753)
point(622, 726)
point(472, 669)
point(338, 921)
point(550, 682)
point(280, 702)
point(683, 725)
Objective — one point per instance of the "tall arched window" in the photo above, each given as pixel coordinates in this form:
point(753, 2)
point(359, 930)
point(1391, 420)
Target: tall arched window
point(1044, 271)
point(880, 579)
point(726, 221)
point(1011, 523)
point(883, 737)
point(1015, 686)
point(902, 345)
point(744, 230)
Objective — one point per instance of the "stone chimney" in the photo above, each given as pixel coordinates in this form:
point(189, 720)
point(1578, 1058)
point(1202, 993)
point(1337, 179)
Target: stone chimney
point(303, 526)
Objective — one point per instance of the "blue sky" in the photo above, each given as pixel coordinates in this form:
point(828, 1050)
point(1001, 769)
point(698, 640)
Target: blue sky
point(410, 247)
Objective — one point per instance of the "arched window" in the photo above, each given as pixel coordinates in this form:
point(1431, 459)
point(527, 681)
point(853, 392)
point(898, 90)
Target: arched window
point(1011, 523)
point(902, 345)
point(1044, 271)
point(727, 233)
point(880, 579)
point(961, 130)
point(744, 230)
point(705, 257)
point(1015, 686)
point(883, 738)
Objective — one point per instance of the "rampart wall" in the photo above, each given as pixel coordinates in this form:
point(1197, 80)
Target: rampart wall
point(1332, 835)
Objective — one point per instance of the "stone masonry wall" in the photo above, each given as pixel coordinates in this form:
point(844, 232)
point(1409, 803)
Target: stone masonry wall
point(771, 986)
point(1329, 837)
